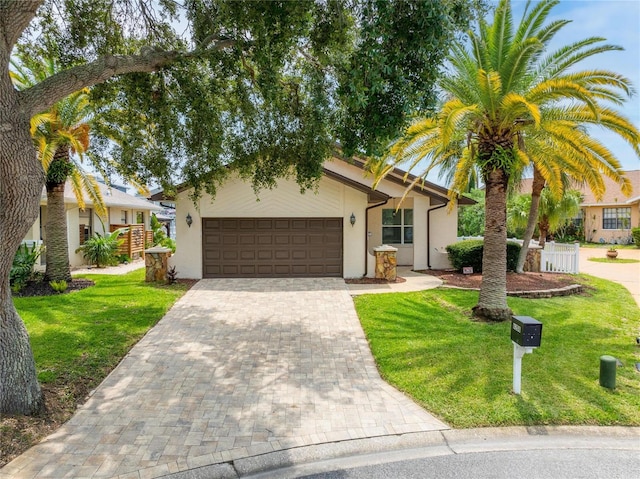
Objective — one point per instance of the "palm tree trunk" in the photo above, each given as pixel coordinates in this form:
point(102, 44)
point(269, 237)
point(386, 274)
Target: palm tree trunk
point(536, 191)
point(21, 181)
point(543, 227)
point(56, 241)
point(492, 304)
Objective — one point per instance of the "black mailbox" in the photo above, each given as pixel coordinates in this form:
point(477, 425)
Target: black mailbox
point(526, 331)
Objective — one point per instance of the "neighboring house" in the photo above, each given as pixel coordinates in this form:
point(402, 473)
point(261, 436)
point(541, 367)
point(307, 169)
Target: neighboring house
point(609, 220)
point(167, 213)
point(330, 231)
point(122, 209)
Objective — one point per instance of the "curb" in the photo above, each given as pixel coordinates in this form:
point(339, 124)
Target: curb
point(291, 463)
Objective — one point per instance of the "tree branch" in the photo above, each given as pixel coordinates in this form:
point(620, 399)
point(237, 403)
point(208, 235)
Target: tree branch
point(15, 16)
point(45, 94)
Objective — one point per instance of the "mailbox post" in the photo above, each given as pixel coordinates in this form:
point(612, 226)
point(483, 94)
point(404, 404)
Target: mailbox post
point(526, 334)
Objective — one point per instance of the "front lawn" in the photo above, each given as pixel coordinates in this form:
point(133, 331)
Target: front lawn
point(77, 338)
point(427, 345)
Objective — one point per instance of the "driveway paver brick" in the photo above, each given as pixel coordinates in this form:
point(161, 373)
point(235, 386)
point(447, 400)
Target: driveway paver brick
point(237, 368)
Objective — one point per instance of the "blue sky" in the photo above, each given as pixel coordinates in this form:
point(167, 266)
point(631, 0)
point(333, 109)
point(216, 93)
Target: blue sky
point(619, 22)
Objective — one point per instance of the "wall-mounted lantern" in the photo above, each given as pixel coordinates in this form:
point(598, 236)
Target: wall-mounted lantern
point(352, 219)
point(189, 220)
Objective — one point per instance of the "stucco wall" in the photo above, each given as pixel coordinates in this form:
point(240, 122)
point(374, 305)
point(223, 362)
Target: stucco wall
point(236, 198)
point(444, 231)
point(593, 224)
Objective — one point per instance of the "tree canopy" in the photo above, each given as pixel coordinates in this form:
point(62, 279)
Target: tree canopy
point(253, 87)
point(194, 91)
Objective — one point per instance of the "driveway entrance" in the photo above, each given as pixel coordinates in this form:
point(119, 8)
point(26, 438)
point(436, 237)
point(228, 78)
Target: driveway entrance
point(237, 368)
point(626, 274)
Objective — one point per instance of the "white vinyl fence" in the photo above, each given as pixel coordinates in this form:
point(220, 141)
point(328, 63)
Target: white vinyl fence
point(560, 258)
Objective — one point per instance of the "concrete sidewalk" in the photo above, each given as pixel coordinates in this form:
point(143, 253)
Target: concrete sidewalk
point(236, 369)
point(413, 282)
point(626, 274)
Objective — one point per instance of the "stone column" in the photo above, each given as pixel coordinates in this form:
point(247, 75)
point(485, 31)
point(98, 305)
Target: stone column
point(532, 263)
point(156, 260)
point(386, 262)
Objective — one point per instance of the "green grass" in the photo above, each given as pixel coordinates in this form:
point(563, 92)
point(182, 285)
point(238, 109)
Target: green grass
point(427, 345)
point(614, 260)
point(81, 336)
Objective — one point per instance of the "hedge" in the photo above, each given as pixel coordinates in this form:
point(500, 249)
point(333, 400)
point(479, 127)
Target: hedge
point(469, 253)
point(635, 232)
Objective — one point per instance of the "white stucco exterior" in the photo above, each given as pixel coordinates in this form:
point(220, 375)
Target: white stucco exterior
point(236, 199)
point(335, 197)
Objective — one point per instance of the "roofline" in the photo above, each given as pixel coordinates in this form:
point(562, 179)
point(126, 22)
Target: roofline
point(374, 195)
point(397, 176)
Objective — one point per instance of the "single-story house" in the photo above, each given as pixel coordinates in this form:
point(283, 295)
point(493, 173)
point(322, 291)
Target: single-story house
point(610, 219)
point(331, 231)
point(122, 209)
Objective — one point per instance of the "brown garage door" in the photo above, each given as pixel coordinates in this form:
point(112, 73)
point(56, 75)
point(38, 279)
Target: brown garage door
point(271, 247)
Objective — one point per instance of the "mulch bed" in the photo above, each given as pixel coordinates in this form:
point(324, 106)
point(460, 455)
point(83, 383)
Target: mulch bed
point(42, 288)
point(515, 282)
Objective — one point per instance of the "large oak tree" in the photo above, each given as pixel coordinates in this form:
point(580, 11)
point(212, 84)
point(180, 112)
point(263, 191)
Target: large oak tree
point(195, 90)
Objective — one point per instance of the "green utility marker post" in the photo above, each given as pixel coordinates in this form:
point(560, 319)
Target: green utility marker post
point(608, 365)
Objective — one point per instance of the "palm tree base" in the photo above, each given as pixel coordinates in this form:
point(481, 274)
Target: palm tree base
point(496, 315)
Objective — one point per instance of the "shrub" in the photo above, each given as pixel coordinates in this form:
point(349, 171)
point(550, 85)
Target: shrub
point(59, 286)
point(102, 250)
point(22, 269)
point(635, 232)
point(172, 275)
point(123, 259)
point(168, 243)
point(469, 253)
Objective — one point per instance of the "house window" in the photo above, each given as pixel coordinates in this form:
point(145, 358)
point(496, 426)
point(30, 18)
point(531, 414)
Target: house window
point(578, 220)
point(397, 226)
point(139, 217)
point(616, 218)
point(123, 217)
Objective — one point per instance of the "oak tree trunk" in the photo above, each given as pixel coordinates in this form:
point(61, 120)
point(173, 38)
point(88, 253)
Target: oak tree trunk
point(492, 304)
point(536, 191)
point(56, 241)
point(21, 182)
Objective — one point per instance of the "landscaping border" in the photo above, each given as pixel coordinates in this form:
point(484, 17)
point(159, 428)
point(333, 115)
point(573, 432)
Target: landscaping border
point(543, 293)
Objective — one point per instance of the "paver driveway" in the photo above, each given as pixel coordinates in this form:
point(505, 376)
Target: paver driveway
point(236, 368)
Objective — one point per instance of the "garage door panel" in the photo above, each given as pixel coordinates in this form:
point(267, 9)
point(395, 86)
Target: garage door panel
point(263, 239)
point(272, 247)
point(299, 254)
point(247, 239)
point(265, 254)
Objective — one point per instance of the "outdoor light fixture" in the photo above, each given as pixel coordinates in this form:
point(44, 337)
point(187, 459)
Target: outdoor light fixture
point(352, 219)
point(189, 220)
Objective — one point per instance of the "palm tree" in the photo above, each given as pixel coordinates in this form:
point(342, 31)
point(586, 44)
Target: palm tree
point(510, 106)
point(59, 134)
point(552, 213)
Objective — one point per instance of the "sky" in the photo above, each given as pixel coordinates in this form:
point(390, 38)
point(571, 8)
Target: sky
point(619, 22)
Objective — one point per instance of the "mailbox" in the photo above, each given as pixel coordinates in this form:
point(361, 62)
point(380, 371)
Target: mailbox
point(526, 331)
